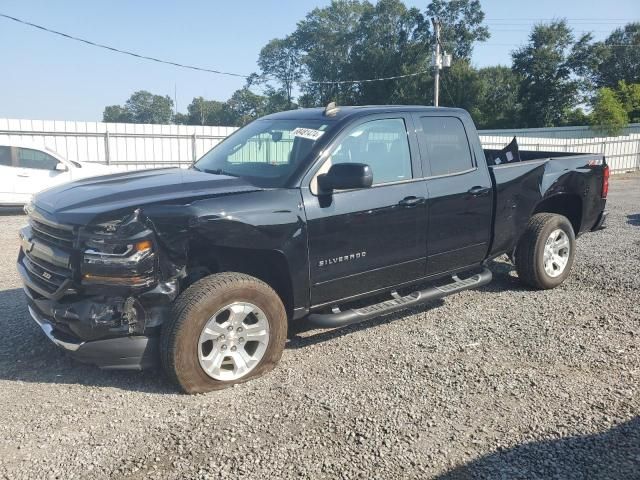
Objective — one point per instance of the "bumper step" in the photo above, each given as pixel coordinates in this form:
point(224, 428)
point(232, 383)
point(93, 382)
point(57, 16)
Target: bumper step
point(341, 318)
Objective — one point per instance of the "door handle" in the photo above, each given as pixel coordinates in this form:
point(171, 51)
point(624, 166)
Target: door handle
point(24, 175)
point(479, 191)
point(411, 201)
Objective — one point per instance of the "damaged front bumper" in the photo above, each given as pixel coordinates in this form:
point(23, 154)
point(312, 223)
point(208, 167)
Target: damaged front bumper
point(100, 331)
point(124, 353)
point(100, 292)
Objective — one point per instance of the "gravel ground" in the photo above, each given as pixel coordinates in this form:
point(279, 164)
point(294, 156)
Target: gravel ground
point(500, 383)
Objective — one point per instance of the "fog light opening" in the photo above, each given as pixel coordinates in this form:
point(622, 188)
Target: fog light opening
point(133, 315)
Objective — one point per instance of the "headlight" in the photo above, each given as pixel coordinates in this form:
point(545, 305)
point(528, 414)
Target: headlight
point(127, 255)
point(119, 252)
point(129, 264)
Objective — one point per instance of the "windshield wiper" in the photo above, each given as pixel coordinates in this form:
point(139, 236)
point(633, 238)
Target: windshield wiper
point(217, 171)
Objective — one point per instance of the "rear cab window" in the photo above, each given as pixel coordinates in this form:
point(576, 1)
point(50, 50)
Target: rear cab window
point(445, 147)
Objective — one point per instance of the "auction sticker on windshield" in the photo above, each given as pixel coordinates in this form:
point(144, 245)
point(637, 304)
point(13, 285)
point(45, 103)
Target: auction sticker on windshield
point(308, 133)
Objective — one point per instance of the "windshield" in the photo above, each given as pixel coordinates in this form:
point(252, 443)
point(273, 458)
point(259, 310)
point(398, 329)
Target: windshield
point(265, 152)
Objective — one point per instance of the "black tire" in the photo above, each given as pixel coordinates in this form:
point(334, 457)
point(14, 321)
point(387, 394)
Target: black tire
point(195, 306)
point(529, 254)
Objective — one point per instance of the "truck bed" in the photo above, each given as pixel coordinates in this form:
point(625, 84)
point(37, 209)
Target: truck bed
point(527, 155)
point(522, 186)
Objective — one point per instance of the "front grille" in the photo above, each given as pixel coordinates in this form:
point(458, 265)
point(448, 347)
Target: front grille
point(57, 235)
point(47, 250)
point(47, 276)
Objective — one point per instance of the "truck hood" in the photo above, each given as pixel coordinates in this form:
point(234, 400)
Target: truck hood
point(80, 201)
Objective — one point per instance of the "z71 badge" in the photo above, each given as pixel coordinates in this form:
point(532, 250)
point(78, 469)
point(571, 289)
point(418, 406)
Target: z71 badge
point(342, 258)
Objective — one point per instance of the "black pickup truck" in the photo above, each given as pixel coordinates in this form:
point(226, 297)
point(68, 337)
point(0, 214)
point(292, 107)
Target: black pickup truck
point(327, 216)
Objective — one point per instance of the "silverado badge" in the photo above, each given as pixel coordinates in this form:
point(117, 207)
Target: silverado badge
point(342, 258)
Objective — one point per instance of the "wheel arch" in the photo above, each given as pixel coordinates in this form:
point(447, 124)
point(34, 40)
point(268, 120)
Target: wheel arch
point(270, 266)
point(568, 205)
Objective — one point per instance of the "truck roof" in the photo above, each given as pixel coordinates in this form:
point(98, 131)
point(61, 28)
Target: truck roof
point(348, 111)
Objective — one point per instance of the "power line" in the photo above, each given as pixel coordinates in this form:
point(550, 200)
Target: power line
point(368, 80)
point(444, 84)
point(528, 30)
point(595, 21)
point(490, 44)
point(220, 72)
point(612, 25)
point(564, 18)
point(194, 67)
point(124, 52)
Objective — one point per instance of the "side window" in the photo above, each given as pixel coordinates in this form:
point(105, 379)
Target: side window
point(381, 144)
point(29, 158)
point(445, 141)
point(5, 156)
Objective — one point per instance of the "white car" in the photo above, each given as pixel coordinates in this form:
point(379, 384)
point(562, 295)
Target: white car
point(26, 169)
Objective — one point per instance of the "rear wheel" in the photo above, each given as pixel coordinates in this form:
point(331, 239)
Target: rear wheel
point(226, 328)
point(545, 253)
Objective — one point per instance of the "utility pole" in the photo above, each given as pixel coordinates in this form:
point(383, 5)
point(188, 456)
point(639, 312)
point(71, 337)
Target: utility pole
point(439, 61)
point(436, 63)
point(175, 99)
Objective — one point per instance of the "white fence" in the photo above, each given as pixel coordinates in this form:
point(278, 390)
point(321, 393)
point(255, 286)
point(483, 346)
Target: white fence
point(130, 146)
point(135, 146)
point(622, 153)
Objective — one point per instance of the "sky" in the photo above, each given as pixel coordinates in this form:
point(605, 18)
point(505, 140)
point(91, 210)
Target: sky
point(51, 78)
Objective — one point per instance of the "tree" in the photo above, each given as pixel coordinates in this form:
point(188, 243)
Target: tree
point(116, 114)
point(618, 57)
point(461, 24)
point(146, 107)
point(629, 97)
point(608, 116)
point(141, 107)
point(577, 117)
point(276, 101)
point(359, 40)
point(548, 90)
point(280, 59)
point(246, 105)
point(210, 112)
point(325, 37)
point(461, 87)
point(498, 105)
point(489, 94)
point(390, 41)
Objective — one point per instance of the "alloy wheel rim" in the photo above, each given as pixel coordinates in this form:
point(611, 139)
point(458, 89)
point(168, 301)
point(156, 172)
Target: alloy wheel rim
point(233, 341)
point(556, 253)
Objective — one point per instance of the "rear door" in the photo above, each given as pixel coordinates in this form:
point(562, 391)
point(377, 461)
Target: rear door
point(460, 194)
point(372, 238)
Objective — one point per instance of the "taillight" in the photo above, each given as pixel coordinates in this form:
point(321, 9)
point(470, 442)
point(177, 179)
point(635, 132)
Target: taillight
point(605, 181)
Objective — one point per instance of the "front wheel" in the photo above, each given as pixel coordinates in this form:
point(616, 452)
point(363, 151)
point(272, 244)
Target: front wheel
point(545, 252)
point(225, 329)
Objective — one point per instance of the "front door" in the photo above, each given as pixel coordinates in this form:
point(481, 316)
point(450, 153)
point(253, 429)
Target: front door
point(372, 238)
point(36, 171)
point(460, 195)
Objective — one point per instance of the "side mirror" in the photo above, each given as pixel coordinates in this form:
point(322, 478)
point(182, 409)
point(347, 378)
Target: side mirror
point(61, 167)
point(345, 176)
